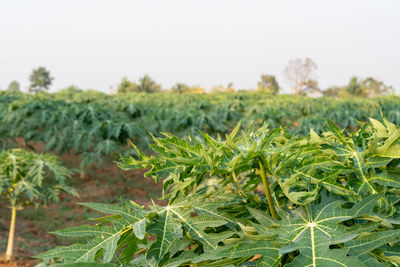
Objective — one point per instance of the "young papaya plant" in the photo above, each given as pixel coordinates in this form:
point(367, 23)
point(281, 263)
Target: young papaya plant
point(27, 178)
point(259, 198)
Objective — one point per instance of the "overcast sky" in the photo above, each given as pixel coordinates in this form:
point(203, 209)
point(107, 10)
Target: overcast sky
point(93, 44)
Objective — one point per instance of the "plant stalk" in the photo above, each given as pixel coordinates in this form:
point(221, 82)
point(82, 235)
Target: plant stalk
point(10, 244)
point(237, 185)
point(267, 192)
point(82, 173)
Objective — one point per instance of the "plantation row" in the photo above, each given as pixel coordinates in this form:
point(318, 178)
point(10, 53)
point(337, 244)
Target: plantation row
point(96, 125)
point(260, 198)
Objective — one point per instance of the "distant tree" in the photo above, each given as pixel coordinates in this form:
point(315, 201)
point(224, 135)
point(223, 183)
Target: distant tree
point(376, 87)
point(368, 87)
point(298, 72)
point(357, 88)
point(148, 85)
point(13, 86)
point(40, 79)
point(311, 86)
point(181, 88)
point(333, 91)
point(268, 84)
point(127, 86)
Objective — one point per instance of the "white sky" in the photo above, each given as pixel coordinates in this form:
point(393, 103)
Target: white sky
point(93, 43)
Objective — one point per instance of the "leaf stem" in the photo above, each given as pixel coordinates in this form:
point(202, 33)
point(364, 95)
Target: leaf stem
point(267, 192)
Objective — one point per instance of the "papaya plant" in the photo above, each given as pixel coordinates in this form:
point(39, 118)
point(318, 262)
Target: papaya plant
point(97, 126)
point(27, 178)
point(259, 198)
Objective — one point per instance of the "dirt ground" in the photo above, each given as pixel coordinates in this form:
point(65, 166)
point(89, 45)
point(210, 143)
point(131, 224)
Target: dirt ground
point(105, 184)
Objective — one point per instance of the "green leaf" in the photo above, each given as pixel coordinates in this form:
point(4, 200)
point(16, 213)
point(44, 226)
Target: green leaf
point(313, 230)
point(106, 240)
point(130, 213)
point(267, 252)
point(139, 228)
point(369, 242)
point(167, 230)
point(379, 127)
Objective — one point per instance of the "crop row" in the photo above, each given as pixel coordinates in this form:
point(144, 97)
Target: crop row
point(98, 126)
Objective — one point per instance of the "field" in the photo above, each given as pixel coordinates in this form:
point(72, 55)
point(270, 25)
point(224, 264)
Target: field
point(97, 125)
point(91, 132)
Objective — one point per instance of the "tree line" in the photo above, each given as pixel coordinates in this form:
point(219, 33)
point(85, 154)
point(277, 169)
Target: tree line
point(40, 80)
point(299, 73)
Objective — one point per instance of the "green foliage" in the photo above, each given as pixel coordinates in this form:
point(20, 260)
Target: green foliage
point(357, 87)
point(311, 86)
point(376, 87)
point(336, 198)
point(29, 178)
point(145, 85)
point(148, 85)
point(268, 84)
point(333, 91)
point(13, 86)
point(70, 91)
point(181, 88)
point(40, 79)
point(127, 86)
point(98, 126)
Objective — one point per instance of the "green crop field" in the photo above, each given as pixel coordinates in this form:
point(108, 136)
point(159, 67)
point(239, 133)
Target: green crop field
point(233, 179)
point(96, 125)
